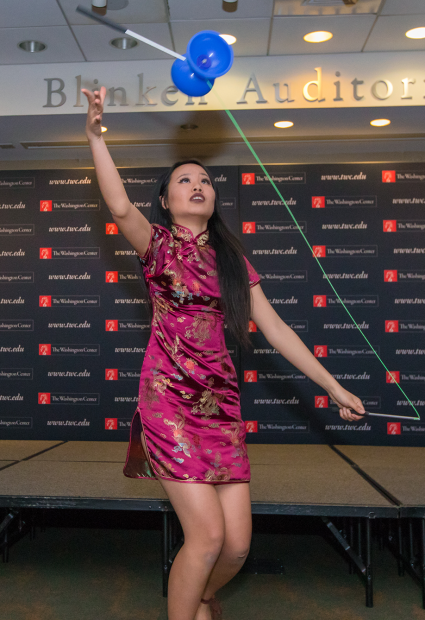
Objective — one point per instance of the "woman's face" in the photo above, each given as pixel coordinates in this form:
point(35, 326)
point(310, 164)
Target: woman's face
point(190, 194)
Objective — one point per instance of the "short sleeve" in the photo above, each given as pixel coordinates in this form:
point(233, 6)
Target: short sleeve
point(253, 276)
point(159, 252)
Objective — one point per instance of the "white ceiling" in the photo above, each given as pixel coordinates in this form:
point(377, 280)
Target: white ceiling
point(262, 27)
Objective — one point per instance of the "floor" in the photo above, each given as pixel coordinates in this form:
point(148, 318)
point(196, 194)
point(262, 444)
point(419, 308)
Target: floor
point(107, 566)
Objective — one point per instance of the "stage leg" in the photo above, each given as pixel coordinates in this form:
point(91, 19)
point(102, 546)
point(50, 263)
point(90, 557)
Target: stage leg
point(422, 543)
point(165, 552)
point(369, 575)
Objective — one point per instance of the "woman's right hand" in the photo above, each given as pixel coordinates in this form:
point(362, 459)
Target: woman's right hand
point(94, 114)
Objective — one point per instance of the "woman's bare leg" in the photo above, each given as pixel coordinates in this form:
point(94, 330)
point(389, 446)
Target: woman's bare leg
point(201, 516)
point(235, 500)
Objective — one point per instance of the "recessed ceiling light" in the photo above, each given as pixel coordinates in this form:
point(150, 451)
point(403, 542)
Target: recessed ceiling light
point(32, 46)
point(123, 43)
point(230, 6)
point(284, 124)
point(104, 129)
point(189, 127)
point(416, 33)
point(229, 38)
point(380, 122)
point(318, 36)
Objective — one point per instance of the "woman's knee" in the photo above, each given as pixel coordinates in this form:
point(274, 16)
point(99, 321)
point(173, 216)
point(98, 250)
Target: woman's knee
point(236, 550)
point(208, 545)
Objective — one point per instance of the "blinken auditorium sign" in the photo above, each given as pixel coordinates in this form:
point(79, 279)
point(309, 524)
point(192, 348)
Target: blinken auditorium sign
point(328, 81)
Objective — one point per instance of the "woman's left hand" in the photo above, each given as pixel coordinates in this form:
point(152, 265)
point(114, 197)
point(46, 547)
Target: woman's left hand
point(346, 402)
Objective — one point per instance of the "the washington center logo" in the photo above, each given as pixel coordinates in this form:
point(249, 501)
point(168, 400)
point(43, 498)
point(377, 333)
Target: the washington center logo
point(111, 374)
point(248, 228)
point(321, 402)
point(391, 326)
point(45, 301)
point(111, 276)
point(45, 252)
point(44, 349)
point(252, 327)
point(392, 376)
point(318, 202)
point(319, 251)
point(320, 350)
point(111, 325)
point(319, 301)
point(393, 428)
point(250, 376)
point(45, 205)
point(248, 178)
point(111, 424)
point(251, 426)
point(44, 398)
point(111, 229)
point(390, 275)
point(390, 225)
point(388, 176)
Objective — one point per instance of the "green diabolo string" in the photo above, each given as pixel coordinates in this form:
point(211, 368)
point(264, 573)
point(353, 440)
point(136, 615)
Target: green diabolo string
point(273, 184)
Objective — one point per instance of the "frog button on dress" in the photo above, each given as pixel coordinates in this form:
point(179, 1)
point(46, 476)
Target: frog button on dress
point(189, 401)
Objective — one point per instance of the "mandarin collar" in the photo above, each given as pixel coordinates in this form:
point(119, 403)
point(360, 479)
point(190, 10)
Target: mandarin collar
point(185, 234)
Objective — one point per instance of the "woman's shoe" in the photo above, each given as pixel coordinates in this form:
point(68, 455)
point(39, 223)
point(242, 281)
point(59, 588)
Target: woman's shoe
point(216, 611)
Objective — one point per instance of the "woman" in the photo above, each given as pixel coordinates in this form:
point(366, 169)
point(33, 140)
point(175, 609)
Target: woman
point(187, 427)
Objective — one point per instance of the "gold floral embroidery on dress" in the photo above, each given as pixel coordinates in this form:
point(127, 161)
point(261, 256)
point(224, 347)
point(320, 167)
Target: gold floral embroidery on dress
point(161, 308)
point(208, 403)
point(202, 240)
point(163, 468)
point(181, 233)
point(201, 328)
point(234, 435)
point(183, 442)
point(154, 386)
point(219, 473)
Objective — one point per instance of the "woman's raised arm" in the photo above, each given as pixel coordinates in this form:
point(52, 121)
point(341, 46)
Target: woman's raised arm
point(288, 343)
point(132, 224)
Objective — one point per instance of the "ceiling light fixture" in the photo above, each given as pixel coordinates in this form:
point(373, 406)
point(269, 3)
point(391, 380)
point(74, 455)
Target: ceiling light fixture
point(123, 43)
point(189, 127)
point(319, 36)
point(32, 46)
point(380, 122)
point(229, 38)
point(99, 6)
point(104, 129)
point(284, 124)
point(230, 6)
point(416, 33)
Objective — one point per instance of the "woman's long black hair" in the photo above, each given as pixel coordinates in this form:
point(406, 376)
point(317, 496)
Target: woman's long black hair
point(231, 269)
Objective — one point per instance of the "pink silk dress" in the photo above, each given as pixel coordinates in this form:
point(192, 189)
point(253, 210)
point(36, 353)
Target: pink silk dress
point(189, 401)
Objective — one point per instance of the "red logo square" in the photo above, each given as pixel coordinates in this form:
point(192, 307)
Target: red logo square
point(390, 225)
point(45, 301)
point(391, 326)
point(252, 327)
point(393, 428)
point(320, 350)
point(319, 251)
point(45, 205)
point(251, 426)
point(45, 252)
point(111, 424)
point(395, 378)
point(318, 202)
point(390, 275)
point(248, 178)
point(250, 376)
point(111, 326)
point(111, 229)
point(44, 349)
point(248, 227)
point(44, 398)
point(321, 402)
point(111, 276)
point(388, 176)
point(111, 374)
point(319, 301)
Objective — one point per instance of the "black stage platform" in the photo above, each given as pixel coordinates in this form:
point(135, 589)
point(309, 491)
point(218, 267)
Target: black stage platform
point(349, 487)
